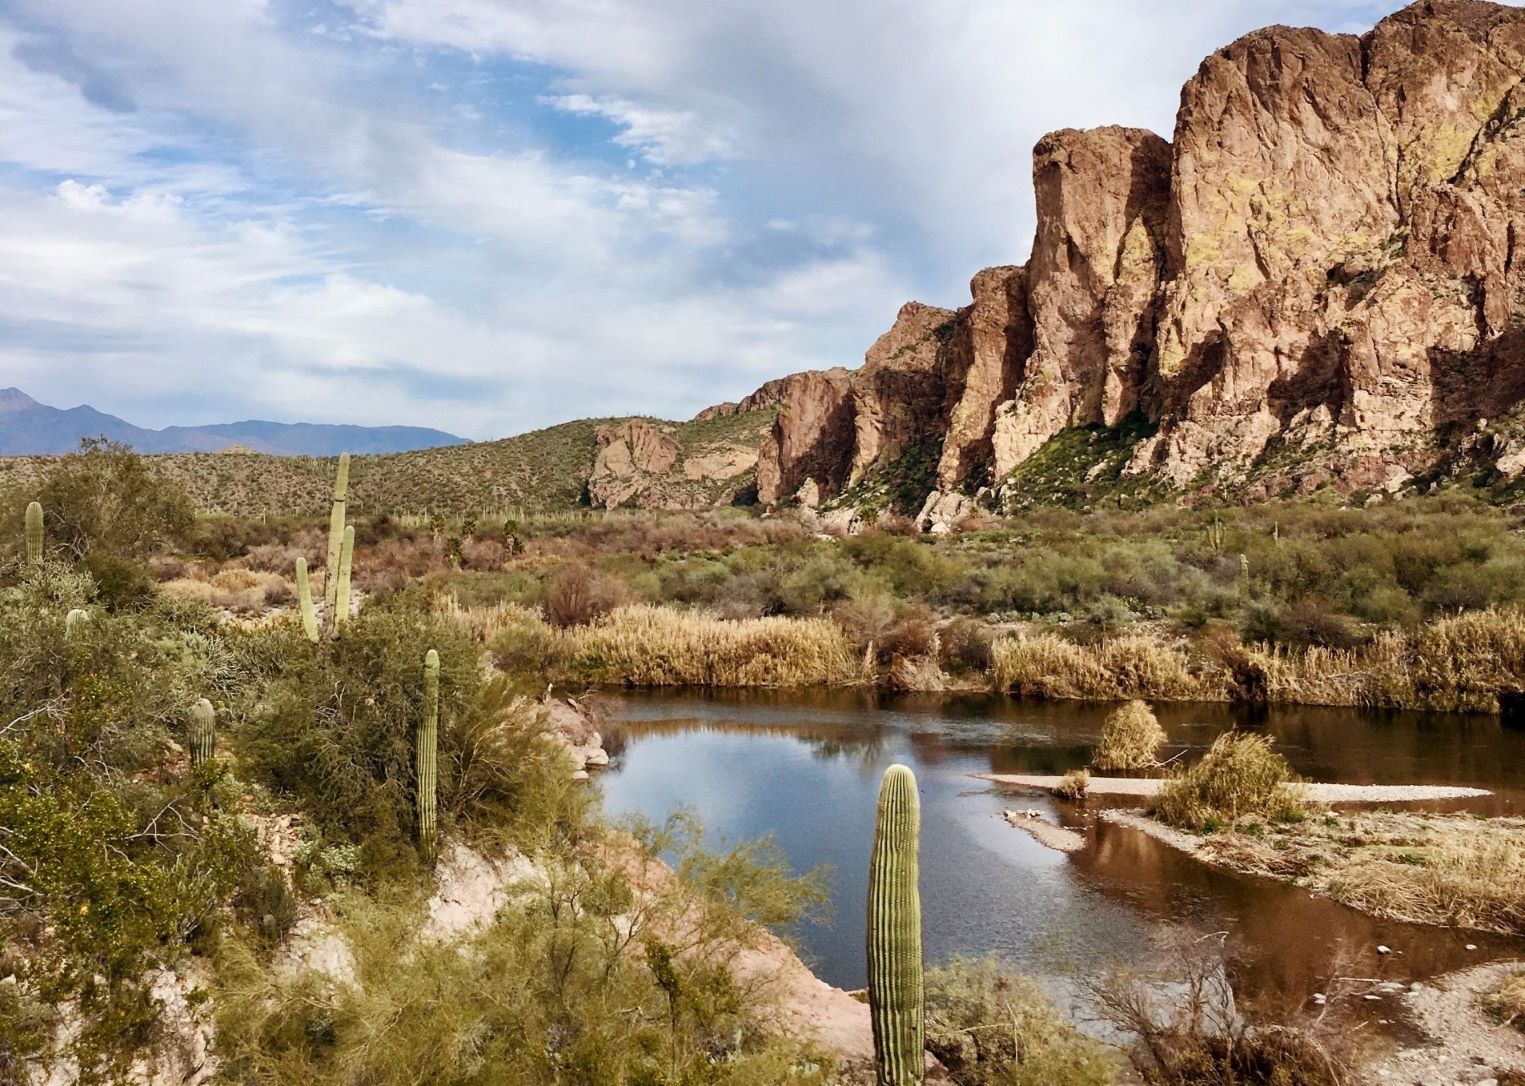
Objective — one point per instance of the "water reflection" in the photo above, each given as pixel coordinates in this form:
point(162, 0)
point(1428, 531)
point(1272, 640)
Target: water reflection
point(805, 767)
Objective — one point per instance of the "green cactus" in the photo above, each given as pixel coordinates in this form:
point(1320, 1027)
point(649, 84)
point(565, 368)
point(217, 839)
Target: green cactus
point(895, 994)
point(203, 732)
point(1244, 577)
point(336, 537)
point(346, 560)
point(427, 743)
point(34, 533)
point(72, 622)
point(304, 602)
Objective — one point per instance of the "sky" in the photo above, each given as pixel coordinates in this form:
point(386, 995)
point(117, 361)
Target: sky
point(489, 216)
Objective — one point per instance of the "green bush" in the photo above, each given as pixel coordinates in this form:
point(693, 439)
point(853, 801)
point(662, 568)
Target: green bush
point(992, 1029)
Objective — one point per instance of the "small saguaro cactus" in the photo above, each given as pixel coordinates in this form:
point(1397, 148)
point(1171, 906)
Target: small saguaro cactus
point(203, 732)
point(336, 535)
point(346, 561)
point(34, 533)
point(1244, 577)
point(425, 747)
point(304, 602)
point(895, 990)
point(73, 621)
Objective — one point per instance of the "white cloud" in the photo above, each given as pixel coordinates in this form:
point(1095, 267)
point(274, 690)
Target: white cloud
point(213, 208)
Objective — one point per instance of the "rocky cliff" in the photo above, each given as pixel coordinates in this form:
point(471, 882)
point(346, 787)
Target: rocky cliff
point(1313, 283)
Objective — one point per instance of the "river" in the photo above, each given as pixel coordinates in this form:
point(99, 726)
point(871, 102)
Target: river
point(805, 768)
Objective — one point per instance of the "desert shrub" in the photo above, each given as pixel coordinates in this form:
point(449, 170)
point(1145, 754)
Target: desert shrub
point(992, 1029)
point(867, 618)
point(577, 594)
point(334, 730)
point(1131, 738)
point(610, 970)
point(913, 633)
point(1198, 1037)
point(965, 645)
point(1240, 776)
point(104, 500)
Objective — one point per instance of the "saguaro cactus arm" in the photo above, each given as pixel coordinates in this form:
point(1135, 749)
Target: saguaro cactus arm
point(304, 601)
point(336, 534)
point(346, 561)
point(895, 989)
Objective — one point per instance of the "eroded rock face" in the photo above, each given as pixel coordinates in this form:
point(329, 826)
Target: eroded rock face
point(1320, 269)
point(811, 439)
point(1092, 277)
point(629, 457)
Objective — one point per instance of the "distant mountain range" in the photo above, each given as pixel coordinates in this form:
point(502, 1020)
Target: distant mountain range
point(29, 428)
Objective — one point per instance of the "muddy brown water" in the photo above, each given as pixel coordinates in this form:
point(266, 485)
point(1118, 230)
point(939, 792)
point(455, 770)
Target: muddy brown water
point(804, 767)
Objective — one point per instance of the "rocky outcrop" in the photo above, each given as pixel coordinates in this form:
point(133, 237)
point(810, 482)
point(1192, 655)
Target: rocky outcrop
point(769, 394)
point(643, 463)
point(1316, 281)
point(811, 440)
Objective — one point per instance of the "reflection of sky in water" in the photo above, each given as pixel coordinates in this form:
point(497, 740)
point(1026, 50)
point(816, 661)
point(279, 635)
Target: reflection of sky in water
point(806, 768)
point(819, 805)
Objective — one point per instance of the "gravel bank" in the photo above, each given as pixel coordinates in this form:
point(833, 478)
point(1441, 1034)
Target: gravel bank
point(1316, 793)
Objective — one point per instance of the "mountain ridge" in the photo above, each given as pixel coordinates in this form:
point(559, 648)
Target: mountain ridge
point(31, 428)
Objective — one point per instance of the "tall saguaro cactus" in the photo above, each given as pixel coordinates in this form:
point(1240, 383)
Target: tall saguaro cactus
point(895, 992)
point(34, 537)
point(336, 537)
point(346, 561)
point(203, 732)
point(304, 602)
point(426, 746)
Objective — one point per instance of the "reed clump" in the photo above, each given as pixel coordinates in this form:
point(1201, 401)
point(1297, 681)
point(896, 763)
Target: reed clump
point(1134, 666)
point(1241, 776)
point(647, 645)
point(1131, 738)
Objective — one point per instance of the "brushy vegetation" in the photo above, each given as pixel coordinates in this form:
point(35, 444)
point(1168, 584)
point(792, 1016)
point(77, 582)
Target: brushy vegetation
point(1240, 777)
point(122, 866)
point(1131, 738)
point(1197, 1037)
point(992, 1029)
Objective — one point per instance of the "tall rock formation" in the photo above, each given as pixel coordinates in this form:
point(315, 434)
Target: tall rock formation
point(1317, 280)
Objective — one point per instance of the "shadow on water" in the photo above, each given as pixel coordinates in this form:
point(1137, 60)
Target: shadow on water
point(805, 767)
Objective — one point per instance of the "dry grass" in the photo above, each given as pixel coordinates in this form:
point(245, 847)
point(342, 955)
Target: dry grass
point(1074, 784)
point(1426, 869)
point(241, 591)
point(1456, 664)
point(1507, 1001)
point(1048, 666)
point(1131, 738)
point(664, 646)
point(1241, 776)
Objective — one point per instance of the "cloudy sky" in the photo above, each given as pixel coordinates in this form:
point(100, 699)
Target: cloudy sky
point(492, 215)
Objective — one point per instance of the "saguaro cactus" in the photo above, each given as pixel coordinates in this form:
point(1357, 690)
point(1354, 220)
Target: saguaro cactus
point(1244, 577)
point(425, 747)
point(346, 560)
point(72, 621)
point(304, 602)
point(336, 535)
point(895, 993)
point(34, 533)
point(203, 732)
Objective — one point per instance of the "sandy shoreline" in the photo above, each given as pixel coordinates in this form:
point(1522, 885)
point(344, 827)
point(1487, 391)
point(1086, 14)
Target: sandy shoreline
point(1316, 793)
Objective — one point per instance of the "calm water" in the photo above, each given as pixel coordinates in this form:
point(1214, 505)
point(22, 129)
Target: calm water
point(805, 768)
